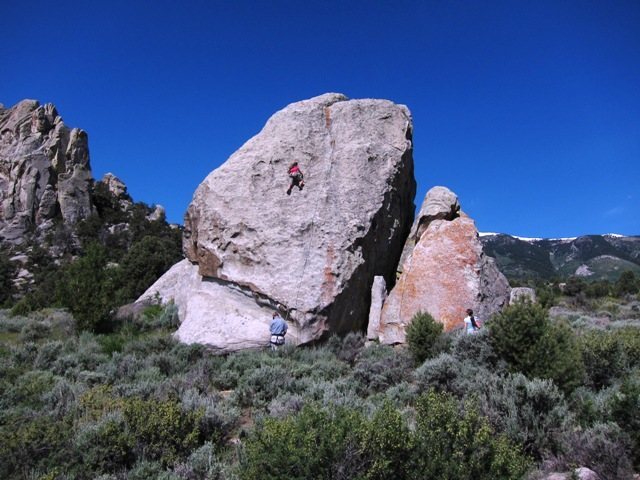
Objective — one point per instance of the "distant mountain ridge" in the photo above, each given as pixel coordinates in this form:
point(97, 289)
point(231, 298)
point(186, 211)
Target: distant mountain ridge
point(593, 257)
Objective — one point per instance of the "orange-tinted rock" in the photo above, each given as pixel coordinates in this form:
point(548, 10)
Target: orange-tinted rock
point(446, 273)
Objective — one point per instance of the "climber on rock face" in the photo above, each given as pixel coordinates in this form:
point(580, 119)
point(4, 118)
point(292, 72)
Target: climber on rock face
point(296, 177)
point(278, 330)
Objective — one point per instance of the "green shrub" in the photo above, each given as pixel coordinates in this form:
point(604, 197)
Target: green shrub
point(217, 416)
point(385, 445)
point(547, 294)
point(574, 286)
point(23, 307)
point(476, 348)
point(603, 448)
point(28, 389)
point(162, 430)
point(86, 288)
point(311, 444)
point(524, 337)
point(438, 373)
point(144, 263)
point(204, 463)
point(629, 338)
point(450, 444)
point(422, 336)
point(106, 446)
point(339, 443)
point(258, 387)
point(625, 406)
point(33, 440)
point(590, 407)
point(7, 272)
point(34, 331)
point(627, 283)
point(599, 289)
point(380, 367)
point(532, 413)
point(603, 356)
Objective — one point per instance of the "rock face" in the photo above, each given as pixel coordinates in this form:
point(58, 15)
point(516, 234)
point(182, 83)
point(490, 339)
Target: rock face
point(44, 170)
point(445, 273)
point(311, 255)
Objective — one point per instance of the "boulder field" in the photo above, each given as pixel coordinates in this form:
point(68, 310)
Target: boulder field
point(312, 255)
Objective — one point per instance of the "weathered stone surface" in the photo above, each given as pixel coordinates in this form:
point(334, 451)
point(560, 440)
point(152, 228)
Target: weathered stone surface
point(157, 214)
point(312, 254)
point(445, 274)
point(378, 296)
point(118, 189)
point(522, 293)
point(44, 170)
point(440, 203)
point(219, 314)
point(114, 184)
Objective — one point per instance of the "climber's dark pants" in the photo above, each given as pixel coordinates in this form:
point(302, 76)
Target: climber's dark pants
point(296, 179)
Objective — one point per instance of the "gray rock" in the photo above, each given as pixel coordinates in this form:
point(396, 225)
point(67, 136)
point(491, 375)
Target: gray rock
point(522, 293)
point(312, 254)
point(378, 296)
point(118, 189)
point(44, 170)
point(114, 184)
point(440, 203)
point(48, 206)
point(157, 214)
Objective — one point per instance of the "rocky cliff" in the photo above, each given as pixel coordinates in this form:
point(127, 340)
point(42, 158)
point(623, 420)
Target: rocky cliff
point(44, 171)
point(311, 255)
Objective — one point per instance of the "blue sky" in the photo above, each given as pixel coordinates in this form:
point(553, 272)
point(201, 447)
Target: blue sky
point(529, 111)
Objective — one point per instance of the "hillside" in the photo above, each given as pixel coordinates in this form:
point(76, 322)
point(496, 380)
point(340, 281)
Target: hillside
point(67, 239)
point(592, 257)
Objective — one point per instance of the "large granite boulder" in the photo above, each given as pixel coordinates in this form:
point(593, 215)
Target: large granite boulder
point(313, 254)
point(445, 273)
point(44, 170)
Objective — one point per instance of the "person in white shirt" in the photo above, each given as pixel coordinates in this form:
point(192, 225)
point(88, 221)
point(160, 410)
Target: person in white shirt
point(470, 323)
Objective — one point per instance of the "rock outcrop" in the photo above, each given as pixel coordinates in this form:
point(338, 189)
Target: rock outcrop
point(44, 171)
point(445, 273)
point(519, 294)
point(311, 255)
point(378, 296)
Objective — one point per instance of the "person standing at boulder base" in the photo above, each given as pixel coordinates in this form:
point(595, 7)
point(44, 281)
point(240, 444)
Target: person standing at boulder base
point(296, 177)
point(278, 330)
point(470, 323)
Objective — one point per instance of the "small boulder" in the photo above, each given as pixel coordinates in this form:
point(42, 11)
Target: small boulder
point(522, 294)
